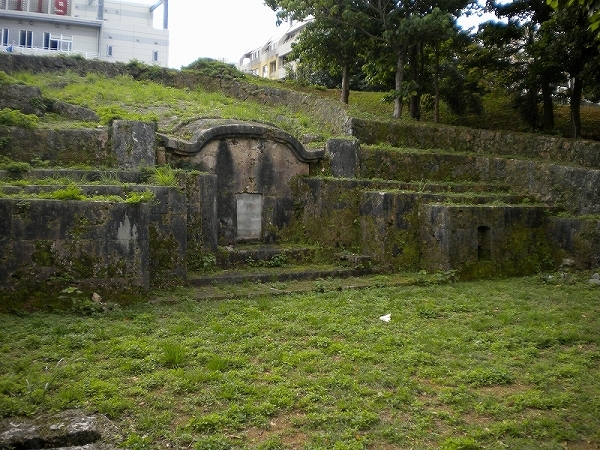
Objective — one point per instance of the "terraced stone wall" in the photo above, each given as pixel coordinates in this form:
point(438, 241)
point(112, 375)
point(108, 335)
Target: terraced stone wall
point(101, 245)
point(575, 189)
point(489, 142)
point(483, 241)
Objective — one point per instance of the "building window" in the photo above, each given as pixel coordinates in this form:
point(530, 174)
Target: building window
point(109, 50)
point(272, 67)
point(58, 42)
point(264, 71)
point(26, 38)
point(154, 56)
point(4, 36)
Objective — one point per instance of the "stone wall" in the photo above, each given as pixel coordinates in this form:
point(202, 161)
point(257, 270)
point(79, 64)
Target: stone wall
point(91, 147)
point(125, 144)
point(486, 240)
point(579, 238)
point(572, 188)
point(104, 246)
point(489, 142)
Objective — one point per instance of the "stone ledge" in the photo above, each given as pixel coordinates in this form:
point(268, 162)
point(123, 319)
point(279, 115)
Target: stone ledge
point(72, 429)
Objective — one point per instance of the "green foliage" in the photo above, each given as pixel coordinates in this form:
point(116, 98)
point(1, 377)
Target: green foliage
point(80, 303)
point(216, 69)
point(108, 114)
point(591, 6)
point(6, 79)
point(139, 197)
point(163, 176)
point(71, 192)
point(14, 118)
point(173, 354)
point(518, 355)
point(15, 168)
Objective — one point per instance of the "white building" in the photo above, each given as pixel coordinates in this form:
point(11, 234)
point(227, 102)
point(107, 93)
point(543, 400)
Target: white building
point(109, 30)
point(269, 61)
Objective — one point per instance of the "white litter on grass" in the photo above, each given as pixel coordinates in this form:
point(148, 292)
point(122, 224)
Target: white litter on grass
point(386, 318)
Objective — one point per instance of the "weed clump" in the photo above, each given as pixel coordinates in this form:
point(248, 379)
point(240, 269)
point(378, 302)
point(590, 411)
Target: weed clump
point(14, 118)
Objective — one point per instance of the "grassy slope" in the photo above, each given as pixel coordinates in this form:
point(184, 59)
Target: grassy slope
point(485, 365)
point(124, 97)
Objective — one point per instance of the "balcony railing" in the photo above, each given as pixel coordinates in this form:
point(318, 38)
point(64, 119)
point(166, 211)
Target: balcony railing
point(46, 52)
point(54, 7)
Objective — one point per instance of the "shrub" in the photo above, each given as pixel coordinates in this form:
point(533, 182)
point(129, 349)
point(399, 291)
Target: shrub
point(213, 68)
point(14, 118)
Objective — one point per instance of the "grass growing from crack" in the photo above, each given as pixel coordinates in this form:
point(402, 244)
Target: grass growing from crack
point(482, 365)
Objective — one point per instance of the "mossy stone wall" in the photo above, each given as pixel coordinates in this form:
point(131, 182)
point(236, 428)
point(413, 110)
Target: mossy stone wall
point(75, 147)
point(45, 243)
point(461, 139)
point(575, 189)
point(486, 241)
point(579, 238)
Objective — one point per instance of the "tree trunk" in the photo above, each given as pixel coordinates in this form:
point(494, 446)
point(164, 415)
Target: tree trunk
point(436, 85)
point(548, 106)
point(345, 93)
point(399, 79)
point(414, 76)
point(576, 107)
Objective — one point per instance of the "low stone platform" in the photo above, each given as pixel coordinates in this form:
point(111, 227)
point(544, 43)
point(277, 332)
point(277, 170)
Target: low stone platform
point(71, 429)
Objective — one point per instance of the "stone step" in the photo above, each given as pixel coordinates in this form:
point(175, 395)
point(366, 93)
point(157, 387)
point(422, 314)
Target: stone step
point(77, 175)
point(280, 274)
point(262, 255)
point(424, 185)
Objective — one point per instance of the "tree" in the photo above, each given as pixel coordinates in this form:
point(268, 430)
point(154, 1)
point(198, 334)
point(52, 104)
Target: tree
point(591, 7)
point(331, 41)
point(571, 42)
point(534, 69)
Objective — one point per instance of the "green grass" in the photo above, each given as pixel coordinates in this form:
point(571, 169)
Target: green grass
point(125, 98)
point(483, 365)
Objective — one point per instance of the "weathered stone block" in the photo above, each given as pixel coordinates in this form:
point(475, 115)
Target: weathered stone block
point(74, 112)
point(133, 143)
point(167, 235)
point(98, 244)
point(60, 147)
point(485, 240)
point(344, 157)
point(27, 99)
point(579, 238)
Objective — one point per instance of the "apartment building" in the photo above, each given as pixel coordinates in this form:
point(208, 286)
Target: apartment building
point(109, 30)
point(271, 59)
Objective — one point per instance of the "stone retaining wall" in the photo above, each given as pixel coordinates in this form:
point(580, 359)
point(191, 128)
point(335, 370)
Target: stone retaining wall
point(99, 244)
point(489, 142)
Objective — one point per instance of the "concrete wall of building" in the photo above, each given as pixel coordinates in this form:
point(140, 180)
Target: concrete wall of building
point(120, 32)
point(128, 28)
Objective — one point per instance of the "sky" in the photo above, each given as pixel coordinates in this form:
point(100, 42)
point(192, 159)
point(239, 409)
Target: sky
point(221, 29)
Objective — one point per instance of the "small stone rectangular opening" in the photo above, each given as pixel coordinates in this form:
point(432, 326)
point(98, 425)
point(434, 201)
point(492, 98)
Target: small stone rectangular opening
point(484, 244)
point(249, 216)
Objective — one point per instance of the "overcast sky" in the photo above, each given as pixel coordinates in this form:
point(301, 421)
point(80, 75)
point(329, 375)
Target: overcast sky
point(218, 29)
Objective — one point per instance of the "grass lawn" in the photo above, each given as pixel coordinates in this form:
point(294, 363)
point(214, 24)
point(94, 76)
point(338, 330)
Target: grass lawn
point(482, 365)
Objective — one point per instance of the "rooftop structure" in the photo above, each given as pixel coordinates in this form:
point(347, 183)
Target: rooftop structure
point(109, 30)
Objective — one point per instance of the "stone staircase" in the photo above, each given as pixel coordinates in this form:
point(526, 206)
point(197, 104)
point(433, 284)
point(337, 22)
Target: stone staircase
point(281, 263)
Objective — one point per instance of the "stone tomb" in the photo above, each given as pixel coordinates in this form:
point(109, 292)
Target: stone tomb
point(254, 164)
